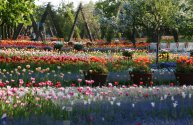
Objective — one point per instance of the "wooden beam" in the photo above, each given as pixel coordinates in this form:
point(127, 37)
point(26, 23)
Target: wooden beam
point(87, 27)
point(55, 23)
point(36, 30)
point(75, 23)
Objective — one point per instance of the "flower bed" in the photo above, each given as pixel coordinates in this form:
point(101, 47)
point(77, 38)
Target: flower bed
point(39, 91)
point(70, 62)
point(24, 44)
point(106, 105)
point(46, 64)
point(42, 45)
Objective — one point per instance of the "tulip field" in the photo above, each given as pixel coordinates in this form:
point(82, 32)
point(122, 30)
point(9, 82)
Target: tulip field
point(106, 105)
point(44, 87)
point(96, 62)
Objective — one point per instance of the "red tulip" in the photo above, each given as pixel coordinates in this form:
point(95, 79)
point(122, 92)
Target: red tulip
point(171, 84)
point(151, 83)
point(116, 83)
point(73, 84)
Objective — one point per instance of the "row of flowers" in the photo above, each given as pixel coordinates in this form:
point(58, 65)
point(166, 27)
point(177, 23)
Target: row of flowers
point(106, 105)
point(11, 58)
point(138, 65)
point(39, 44)
point(24, 43)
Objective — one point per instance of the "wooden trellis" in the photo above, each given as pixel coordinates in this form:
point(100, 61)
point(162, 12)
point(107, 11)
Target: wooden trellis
point(38, 31)
point(76, 21)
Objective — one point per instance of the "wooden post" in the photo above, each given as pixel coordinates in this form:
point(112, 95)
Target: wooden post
point(55, 23)
point(87, 27)
point(37, 32)
point(157, 46)
point(75, 23)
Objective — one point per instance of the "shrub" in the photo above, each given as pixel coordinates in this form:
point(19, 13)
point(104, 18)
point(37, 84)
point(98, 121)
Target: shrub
point(191, 53)
point(78, 47)
point(31, 47)
point(128, 53)
point(98, 68)
point(47, 48)
point(58, 45)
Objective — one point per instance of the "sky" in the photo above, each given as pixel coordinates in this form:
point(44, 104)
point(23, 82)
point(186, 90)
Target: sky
point(56, 2)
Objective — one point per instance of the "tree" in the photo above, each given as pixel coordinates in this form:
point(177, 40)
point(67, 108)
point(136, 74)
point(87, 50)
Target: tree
point(184, 17)
point(13, 12)
point(16, 11)
point(130, 18)
point(158, 14)
point(108, 11)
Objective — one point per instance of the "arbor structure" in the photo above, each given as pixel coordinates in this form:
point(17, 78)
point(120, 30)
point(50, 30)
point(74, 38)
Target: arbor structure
point(76, 21)
point(38, 30)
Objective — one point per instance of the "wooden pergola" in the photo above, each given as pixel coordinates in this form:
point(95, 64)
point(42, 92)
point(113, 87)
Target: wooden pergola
point(76, 21)
point(38, 30)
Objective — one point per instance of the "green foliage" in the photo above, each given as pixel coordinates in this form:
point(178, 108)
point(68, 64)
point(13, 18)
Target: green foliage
point(108, 11)
point(47, 48)
point(65, 17)
point(191, 53)
point(119, 65)
point(98, 68)
point(58, 45)
point(13, 12)
point(128, 54)
point(78, 47)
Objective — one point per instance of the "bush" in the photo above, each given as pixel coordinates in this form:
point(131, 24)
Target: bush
point(58, 45)
point(98, 68)
point(191, 53)
point(78, 47)
point(31, 47)
point(128, 53)
point(47, 48)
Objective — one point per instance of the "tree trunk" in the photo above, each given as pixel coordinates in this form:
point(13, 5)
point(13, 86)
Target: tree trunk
point(133, 37)
point(9, 31)
point(4, 32)
point(152, 35)
point(175, 35)
point(103, 32)
point(110, 35)
point(157, 47)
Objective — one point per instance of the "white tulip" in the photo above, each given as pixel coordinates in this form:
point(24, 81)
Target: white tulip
point(183, 94)
point(133, 105)
point(190, 96)
point(172, 98)
point(153, 104)
point(111, 102)
point(118, 103)
point(165, 96)
point(175, 104)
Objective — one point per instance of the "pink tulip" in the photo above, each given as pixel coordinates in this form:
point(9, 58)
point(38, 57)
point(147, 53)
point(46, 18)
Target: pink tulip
point(79, 80)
